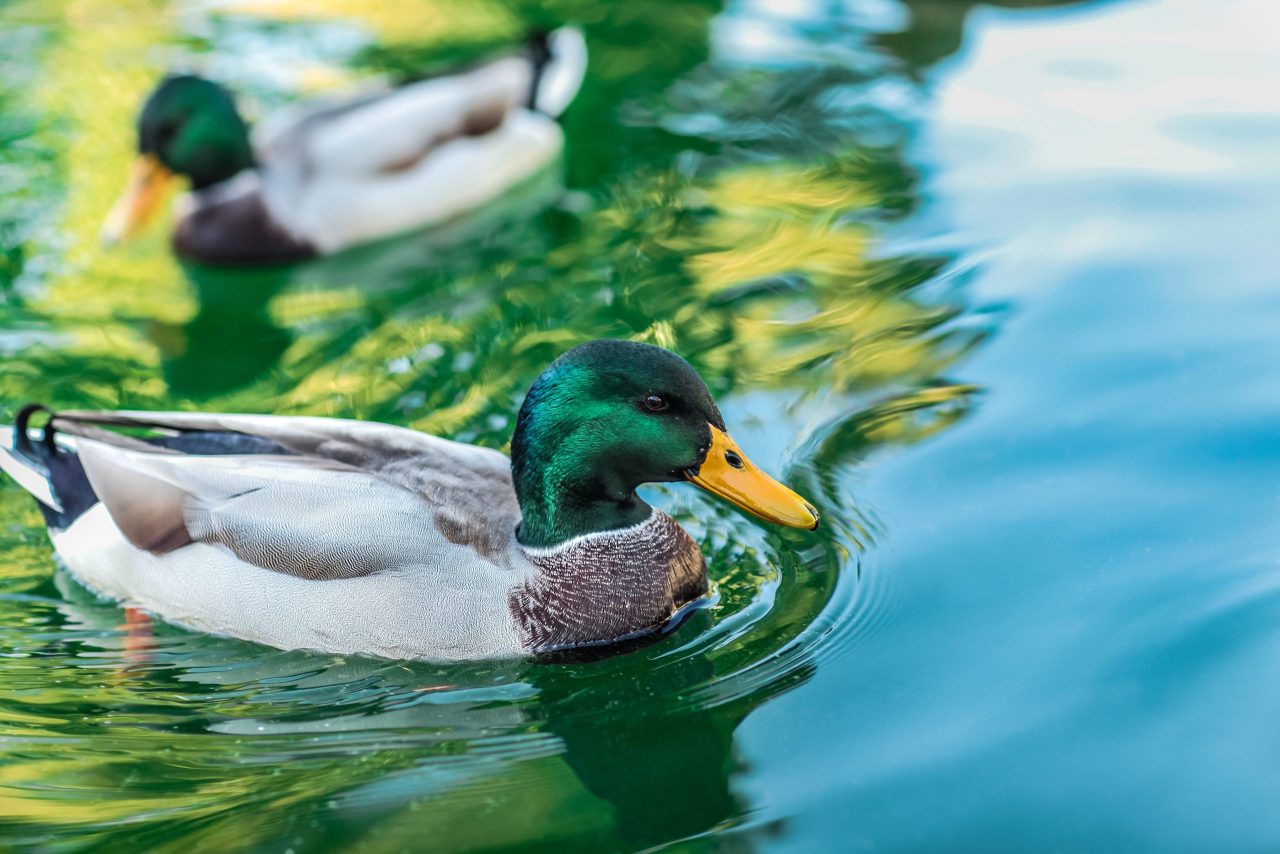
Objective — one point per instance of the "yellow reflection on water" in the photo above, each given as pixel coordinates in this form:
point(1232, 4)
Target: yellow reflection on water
point(836, 312)
point(97, 70)
point(418, 23)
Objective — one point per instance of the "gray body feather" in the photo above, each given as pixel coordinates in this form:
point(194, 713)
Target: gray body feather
point(350, 537)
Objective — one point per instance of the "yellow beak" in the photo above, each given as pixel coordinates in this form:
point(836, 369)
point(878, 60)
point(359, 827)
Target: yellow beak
point(149, 183)
point(727, 472)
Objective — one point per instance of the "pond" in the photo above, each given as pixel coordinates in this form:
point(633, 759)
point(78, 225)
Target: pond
point(989, 283)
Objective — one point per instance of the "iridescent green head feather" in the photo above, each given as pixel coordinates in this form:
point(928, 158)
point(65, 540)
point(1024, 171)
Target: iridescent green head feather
point(608, 416)
point(603, 419)
point(191, 125)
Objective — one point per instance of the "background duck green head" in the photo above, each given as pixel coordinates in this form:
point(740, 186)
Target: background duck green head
point(188, 127)
point(608, 416)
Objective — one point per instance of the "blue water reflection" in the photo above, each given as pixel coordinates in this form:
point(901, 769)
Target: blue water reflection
point(1082, 648)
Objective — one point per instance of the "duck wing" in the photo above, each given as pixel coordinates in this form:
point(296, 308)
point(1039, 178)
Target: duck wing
point(382, 129)
point(315, 498)
point(387, 130)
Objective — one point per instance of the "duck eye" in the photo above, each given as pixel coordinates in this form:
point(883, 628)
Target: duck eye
point(655, 403)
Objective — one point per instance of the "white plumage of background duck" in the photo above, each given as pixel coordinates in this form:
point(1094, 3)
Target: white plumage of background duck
point(338, 172)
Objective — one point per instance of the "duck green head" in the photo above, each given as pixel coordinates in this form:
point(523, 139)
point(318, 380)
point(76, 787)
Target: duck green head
point(188, 127)
point(608, 416)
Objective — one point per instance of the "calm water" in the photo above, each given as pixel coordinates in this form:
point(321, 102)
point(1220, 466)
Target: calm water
point(993, 286)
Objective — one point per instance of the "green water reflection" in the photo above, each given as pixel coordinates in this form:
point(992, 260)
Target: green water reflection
point(725, 206)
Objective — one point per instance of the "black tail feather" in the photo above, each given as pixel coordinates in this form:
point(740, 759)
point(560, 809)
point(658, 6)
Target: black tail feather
point(539, 47)
point(22, 437)
point(60, 465)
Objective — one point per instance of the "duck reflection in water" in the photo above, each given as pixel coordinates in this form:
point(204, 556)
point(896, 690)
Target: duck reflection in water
point(236, 339)
point(439, 737)
point(232, 340)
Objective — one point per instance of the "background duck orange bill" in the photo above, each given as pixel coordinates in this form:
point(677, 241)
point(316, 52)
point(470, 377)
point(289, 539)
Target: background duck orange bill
point(727, 472)
point(149, 184)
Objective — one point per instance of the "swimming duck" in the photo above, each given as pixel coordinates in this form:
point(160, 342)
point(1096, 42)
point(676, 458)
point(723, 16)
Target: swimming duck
point(363, 538)
point(340, 172)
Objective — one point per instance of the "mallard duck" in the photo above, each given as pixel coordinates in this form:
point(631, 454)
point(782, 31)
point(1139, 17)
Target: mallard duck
point(336, 173)
point(363, 538)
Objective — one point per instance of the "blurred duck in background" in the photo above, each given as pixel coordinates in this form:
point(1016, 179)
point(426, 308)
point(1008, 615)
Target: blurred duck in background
point(334, 173)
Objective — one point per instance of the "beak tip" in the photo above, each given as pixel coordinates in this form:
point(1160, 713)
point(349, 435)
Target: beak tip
point(725, 471)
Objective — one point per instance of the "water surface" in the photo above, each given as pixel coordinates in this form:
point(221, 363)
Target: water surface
point(988, 284)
